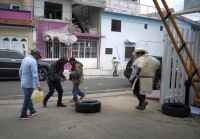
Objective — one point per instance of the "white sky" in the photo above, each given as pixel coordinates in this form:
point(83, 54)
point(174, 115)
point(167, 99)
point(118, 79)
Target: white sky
point(177, 5)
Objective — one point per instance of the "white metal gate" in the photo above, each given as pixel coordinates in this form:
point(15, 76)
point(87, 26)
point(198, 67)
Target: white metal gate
point(15, 43)
point(173, 74)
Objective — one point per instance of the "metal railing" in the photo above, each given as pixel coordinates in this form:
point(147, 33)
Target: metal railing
point(95, 3)
point(131, 8)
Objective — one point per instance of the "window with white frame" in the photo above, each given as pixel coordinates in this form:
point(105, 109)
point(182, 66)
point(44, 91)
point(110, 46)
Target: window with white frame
point(55, 50)
point(84, 49)
point(94, 49)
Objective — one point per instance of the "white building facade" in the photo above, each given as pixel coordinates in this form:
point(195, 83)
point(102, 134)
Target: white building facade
point(124, 33)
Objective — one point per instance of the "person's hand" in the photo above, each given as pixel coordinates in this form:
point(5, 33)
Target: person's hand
point(62, 80)
point(130, 81)
point(39, 89)
point(65, 79)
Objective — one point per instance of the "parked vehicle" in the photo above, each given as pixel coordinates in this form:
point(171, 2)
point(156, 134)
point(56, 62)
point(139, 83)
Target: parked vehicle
point(10, 61)
point(157, 79)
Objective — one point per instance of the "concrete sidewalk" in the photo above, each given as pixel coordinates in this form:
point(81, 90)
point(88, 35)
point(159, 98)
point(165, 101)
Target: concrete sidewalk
point(97, 72)
point(118, 119)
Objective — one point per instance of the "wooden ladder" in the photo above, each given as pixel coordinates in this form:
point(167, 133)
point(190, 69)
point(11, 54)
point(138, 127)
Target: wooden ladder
point(192, 70)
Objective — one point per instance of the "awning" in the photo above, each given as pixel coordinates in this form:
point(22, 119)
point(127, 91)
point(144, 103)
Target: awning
point(187, 11)
point(16, 22)
point(62, 34)
point(129, 41)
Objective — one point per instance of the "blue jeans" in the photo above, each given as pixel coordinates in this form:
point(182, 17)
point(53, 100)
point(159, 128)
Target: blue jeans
point(115, 72)
point(76, 91)
point(28, 104)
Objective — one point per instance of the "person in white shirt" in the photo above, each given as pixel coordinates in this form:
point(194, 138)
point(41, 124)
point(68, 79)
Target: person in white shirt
point(115, 64)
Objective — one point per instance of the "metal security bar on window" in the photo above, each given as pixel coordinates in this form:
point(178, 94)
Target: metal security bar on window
point(128, 51)
point(56, 49)
point(63, 50)
point(88, 49)
point(82, 47)
point(48, 53)
point(87, 52)
point(94, 49)
point(109, 51)
point(75, 49)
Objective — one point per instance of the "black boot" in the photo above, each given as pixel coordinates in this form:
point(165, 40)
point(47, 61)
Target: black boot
point(61, 105)
point(44, 103)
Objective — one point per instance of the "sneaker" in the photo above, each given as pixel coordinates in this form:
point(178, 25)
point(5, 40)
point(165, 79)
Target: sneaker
point(82, 97)
point(144, 104)
point(33, 113)
point(72, 101)
point(44, 103)
point(25, 117)
point(61, 105)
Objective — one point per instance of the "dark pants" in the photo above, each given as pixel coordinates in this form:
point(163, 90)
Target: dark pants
point(52, 87)
point(136, 91)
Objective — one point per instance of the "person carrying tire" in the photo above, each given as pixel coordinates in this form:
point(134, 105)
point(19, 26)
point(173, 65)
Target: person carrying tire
point(144, 68)
point(54, 79)
point(77, 77)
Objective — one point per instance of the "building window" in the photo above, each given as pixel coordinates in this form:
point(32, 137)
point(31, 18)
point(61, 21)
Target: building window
point(4, 6)
point(6, 39)
point(145, 26)
point(75, 51)
point(109, 51)
point(84, 49)
point(129, 51)
point(56, 51)
point(15, 7)
point(94, 49)
point(116, 25)
point(161, 28)
point(14, 39)
point(23, 40)
point(53, 10)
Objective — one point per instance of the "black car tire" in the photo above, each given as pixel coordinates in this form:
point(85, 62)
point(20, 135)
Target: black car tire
point(88, 106)
point(176, 110)
point(42, 73)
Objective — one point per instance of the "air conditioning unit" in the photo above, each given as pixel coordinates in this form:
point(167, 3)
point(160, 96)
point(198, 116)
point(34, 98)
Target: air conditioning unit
point(15, 7)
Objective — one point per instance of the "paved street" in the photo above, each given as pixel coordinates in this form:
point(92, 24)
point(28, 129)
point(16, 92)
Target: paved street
point(10, 88)
point(118, 119)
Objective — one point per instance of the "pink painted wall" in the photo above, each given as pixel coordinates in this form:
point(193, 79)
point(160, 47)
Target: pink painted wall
point(56, 25)
point(50, 26)
point(15, 14)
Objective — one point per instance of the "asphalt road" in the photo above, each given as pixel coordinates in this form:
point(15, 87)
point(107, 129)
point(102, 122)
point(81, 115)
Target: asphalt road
point(10, 88)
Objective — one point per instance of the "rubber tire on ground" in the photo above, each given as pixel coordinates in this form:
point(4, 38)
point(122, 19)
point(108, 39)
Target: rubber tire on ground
point(88, 106)
point(44, 72)
point(176, 110)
